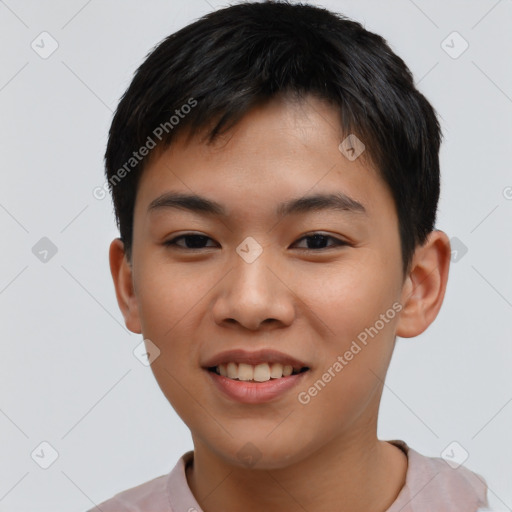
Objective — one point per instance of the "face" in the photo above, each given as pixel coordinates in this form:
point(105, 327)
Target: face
point(267, 284)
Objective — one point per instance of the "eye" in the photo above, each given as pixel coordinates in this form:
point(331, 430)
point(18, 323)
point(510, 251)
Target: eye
point(318, 241)
point(191, 241)
point(195, 242)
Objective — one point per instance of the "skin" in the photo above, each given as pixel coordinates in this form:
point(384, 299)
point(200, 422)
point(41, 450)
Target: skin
point(311, 304)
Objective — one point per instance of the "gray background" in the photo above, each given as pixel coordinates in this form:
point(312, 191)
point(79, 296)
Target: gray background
point(68, 375)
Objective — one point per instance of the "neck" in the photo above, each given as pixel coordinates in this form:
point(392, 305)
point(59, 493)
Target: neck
point(349, 474)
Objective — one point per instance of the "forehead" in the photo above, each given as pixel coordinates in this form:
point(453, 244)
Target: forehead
point(278, 151)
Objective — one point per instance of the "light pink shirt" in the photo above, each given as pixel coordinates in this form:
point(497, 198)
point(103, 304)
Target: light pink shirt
point(431, 485)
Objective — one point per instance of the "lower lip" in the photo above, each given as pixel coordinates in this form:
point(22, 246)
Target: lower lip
point(255, 392)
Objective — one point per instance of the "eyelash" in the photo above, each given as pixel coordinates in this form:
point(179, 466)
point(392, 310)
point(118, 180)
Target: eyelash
point(172, 242)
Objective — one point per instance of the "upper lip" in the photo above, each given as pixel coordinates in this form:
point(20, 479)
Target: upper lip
point(254, 358)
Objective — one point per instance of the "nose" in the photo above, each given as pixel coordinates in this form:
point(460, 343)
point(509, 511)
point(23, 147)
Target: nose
point(254, 294)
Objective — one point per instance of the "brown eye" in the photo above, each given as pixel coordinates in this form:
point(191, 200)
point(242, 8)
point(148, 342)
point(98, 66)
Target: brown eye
point(191, 241)
point(317, 241)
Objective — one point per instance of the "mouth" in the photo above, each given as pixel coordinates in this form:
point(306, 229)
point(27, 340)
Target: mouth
point(255, 377)
point(256, 366)
point(262, 372)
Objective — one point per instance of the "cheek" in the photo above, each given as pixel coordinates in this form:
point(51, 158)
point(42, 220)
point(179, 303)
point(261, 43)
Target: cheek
point(353, 365)
point(169, 306)
point(351, 298)
point(166, 297)
point(356, 305)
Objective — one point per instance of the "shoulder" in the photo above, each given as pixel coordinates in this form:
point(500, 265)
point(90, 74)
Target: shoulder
point(166, 493)
point(150, 496)
point(432, 482)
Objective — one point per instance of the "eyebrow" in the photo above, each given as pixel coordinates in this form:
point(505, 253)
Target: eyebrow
point(204, 206)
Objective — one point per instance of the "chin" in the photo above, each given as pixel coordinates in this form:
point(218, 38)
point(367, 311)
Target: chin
point(263, 453)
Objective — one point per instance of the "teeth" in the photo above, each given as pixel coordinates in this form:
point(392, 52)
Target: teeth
point(259, 373)
point(232, 370)
point(287, 370)
point(245, 372)
point(276, 370)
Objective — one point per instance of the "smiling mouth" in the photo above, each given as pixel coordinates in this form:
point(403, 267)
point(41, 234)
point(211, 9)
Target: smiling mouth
point(256, 373)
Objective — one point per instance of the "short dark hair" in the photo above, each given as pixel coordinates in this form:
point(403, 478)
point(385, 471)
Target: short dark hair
point(206, 76)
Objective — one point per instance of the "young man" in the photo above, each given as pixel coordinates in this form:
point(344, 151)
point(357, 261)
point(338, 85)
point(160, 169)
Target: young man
point(275, 178)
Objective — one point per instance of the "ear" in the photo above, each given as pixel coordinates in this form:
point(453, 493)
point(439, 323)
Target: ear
point(121, 272)
point(425, 285)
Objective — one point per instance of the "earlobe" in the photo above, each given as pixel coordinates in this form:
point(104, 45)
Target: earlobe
point(425, 286)
point(123, 282)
